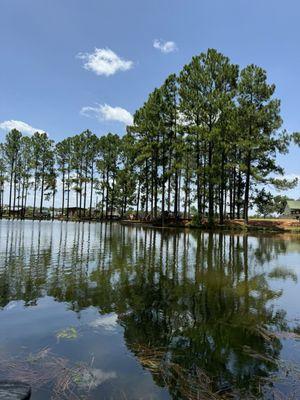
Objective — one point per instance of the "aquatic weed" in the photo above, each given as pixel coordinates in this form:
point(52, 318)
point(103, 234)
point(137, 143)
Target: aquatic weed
point(68, 334)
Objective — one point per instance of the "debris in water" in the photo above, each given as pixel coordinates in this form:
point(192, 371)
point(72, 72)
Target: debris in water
point(44, 368)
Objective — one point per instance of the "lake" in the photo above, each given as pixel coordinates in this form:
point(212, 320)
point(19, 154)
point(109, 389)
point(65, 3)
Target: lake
point(106, 311)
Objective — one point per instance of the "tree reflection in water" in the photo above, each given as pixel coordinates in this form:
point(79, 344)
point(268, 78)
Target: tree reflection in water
point(190, 302)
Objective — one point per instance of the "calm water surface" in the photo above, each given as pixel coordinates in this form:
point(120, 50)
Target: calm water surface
point(105, 311)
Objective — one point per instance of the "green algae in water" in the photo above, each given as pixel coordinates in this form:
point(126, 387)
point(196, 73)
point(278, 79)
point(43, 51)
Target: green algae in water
point(67, 334)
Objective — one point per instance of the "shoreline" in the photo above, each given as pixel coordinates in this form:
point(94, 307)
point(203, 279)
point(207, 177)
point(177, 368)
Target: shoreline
point(254, 226)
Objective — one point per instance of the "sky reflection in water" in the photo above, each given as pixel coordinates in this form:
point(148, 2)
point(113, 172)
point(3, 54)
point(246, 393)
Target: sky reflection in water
point(140, 313)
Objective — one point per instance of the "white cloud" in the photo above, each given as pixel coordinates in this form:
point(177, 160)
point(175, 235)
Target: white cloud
point(104, 112)
point(104, 62)
point(90, 378)
point(108, 322)
point(20, 126)
point(165, 47)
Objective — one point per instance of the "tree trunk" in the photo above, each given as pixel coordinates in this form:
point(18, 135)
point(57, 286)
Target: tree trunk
point(234, 194)
point(23, 197)
point(85, 189)
point(239, 193)
point(26, 196)
point(34, 195)
point(210, 186)
point(15, 191)
point(53, 204)
point(63, 192)
point(10, 187)
point(222, 189)
point(155, 188)
point(138, 199)
point(80, 190)
point(112, 198)
point(198, 165)
point(91, 191)
point(147, 187)
point(42, 190)
point(107, 199)
point(1, 195)
point(247, 188)
point(163, 180)
point(103, 196)
point(176, 194)
point(68, 197)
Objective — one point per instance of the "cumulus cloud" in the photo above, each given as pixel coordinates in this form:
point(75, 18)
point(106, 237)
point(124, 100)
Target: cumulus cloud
point(104, 112)
point(20, 126)
point(104, 62)
point(165, 46)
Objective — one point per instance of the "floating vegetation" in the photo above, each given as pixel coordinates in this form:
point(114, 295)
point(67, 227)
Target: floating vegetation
point(193, 383)
point(190, 386)
point(68, 334)
point(44, 368)
point(263, 357)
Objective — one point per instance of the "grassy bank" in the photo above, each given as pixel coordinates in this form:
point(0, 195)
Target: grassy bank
point(254, 225)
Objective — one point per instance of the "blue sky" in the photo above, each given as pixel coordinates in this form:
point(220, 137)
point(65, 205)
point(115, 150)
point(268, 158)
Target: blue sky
point(45, 45)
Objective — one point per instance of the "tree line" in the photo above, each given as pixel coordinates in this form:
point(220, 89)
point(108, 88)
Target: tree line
point(205, 141)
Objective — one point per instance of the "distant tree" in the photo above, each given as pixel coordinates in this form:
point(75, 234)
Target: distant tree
point(268, 204)
point(206, 91)
point(280, 203)
point(259, 116)
point(264, 202)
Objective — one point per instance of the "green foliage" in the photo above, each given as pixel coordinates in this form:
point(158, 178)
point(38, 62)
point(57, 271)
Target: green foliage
point(264, 203)
point(68, 334)
point(207, 138)
point(268, 204)
point(296, 138)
